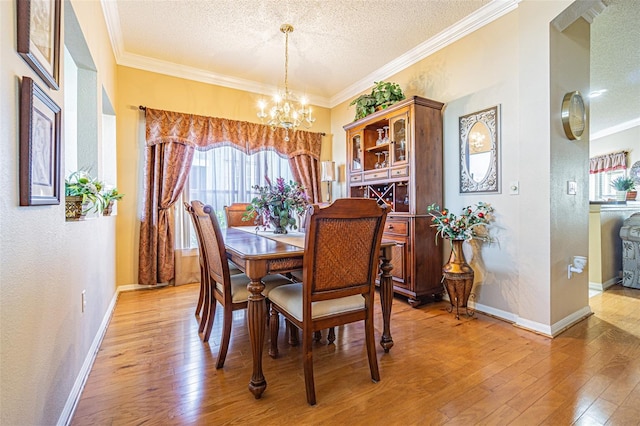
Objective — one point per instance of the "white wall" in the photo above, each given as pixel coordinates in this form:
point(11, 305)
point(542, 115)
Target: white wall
point(45, 261)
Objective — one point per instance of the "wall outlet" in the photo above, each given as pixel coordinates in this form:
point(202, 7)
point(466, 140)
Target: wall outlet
point(572, 187)
point(84, 300)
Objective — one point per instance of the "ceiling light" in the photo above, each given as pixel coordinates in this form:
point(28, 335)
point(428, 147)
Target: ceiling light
point(286, 111)
point(597, 93)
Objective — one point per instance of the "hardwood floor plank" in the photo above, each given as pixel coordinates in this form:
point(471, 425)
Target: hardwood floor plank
point(152, 368)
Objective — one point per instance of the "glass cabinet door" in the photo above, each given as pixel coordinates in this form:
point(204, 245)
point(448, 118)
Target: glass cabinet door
point(356, 153)
point(399, 135)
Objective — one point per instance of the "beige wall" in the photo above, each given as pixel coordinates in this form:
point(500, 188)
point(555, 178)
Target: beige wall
point(137, 87)
point(47, 262)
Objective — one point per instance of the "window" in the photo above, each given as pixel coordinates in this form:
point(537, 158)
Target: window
point(222, 176)
point(600, 188)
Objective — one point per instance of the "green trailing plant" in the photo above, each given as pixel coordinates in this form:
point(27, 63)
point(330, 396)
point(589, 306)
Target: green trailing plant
point(386, 93)
point(82, 184)
point(365, 105)
point(382, 95)
point(623, 183)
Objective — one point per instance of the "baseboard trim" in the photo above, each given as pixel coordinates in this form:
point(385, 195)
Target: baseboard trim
point(83, 374)
point(550, 331)
point(603, 286)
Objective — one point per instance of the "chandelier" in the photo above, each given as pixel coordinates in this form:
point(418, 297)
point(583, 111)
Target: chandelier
point(286, 111)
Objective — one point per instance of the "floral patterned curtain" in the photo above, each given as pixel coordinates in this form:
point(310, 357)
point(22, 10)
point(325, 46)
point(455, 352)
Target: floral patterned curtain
point(171, 138)
point(608, 162)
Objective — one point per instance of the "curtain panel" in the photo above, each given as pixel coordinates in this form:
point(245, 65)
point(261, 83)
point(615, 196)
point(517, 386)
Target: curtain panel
point(608, 162)
point(171, 138)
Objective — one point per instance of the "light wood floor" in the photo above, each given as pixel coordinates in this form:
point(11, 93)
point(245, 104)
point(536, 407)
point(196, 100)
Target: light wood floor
point(152, 368)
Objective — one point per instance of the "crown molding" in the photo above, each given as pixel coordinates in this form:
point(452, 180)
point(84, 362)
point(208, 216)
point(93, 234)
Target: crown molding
point(197, 74)
point(483, 16)
point(111, 17)
point(615, 129)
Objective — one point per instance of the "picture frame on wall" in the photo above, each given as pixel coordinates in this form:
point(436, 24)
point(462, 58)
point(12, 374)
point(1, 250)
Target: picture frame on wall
point(38, 41)
point(39, 146)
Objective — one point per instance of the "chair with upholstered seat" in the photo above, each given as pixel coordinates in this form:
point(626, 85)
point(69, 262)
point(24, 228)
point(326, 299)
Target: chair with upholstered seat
point(228, 290)
point(203, 296)
point(342, 244)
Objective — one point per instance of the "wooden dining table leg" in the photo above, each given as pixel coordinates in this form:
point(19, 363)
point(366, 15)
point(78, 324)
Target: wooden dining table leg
point(386, 297)
point(257, 324)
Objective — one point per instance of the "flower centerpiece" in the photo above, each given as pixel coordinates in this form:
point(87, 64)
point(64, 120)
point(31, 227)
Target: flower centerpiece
point(468, 225)
point(278, 205)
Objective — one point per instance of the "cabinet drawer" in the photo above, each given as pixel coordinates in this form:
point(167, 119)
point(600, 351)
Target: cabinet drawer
point(377, 174)
point(400, 171)
point(356, 177)
point(396, 227)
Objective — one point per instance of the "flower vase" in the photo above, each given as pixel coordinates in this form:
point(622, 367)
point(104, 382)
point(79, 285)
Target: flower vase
point(458, 279)
point(277, 228)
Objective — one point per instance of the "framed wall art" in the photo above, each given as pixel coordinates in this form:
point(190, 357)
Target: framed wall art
point(39, 146)
point(38, 24)
point(479, 151)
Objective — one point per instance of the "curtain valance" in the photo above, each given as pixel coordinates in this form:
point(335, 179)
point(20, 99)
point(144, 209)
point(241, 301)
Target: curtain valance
point(608, 162)
point(203, 133)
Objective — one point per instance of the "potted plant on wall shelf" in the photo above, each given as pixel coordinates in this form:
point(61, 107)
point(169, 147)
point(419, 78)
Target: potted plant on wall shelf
point(623, 185)
point(82, 195)
point(470, 224)
point(109, 197)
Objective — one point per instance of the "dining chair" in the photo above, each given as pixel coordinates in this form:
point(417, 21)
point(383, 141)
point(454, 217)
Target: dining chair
point(342, 248)
point(228, 290)
point(203, 277)
point(236, 211)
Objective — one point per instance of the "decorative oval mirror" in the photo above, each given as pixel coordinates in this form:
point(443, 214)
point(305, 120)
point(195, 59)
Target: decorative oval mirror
point(479, 152)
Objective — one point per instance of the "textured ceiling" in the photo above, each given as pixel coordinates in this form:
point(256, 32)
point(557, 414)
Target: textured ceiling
point(615, 67)
point(340, 47)
point(335, 44)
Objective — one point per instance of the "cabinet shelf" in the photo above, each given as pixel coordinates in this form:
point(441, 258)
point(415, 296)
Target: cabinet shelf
point(379, 148)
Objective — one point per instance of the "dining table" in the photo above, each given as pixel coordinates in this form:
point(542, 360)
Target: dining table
point(260, 252)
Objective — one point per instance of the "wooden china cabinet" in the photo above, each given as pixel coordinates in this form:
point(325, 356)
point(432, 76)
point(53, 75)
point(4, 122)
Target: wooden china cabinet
point(395, 157)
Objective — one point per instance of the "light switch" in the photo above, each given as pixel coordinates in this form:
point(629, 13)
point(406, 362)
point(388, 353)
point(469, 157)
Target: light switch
point(572, 187)
point(514, 187)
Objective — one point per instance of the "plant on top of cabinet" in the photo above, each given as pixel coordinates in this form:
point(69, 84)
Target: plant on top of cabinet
point(386, 93)
point(382, 95)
